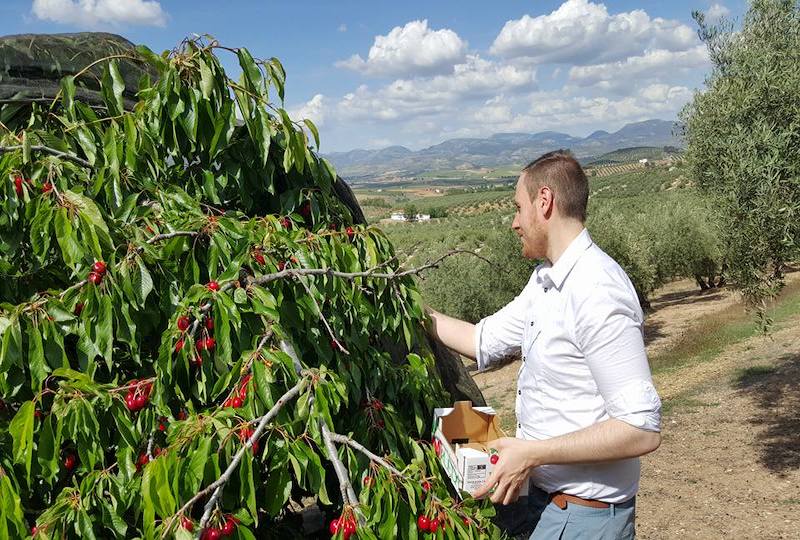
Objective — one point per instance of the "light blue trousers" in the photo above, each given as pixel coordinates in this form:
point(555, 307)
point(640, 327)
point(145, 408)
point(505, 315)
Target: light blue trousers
point(577, 522)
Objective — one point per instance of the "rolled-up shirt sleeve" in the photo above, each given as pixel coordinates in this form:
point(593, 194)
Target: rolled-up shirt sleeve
point(500, 335)
point(609, 332)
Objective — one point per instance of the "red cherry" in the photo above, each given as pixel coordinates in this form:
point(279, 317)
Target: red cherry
point(305, 210)
point(466, 521)
point(34, 530)
point(47, 187)
point(130, 402)
point(350, 233)
point(183, 323)
point(78, 308)
point(426, 486)
point(369, 481)
point(95, 278)
point(210, 343)
point(99, 267)
point(287, 223)
point(334, 345)
point(200, 344)
point(38, 414)
point(182, 415)
point(197, 361)
point(334, 526)
point(18, 186)
point(281, 265)
point(209, 323)
point(179, 346)
point(237, 402)
point(434, 525)
point(380, 424)
point(213, 534)
point(187, 523)
point(162, 427)
point(259, 258)
point(377, 404)
point(349, 529)
point(70, 461)
point(140, 402)
point(423, 523)
point(212, 286)
point(229, 527)
point(494, 459)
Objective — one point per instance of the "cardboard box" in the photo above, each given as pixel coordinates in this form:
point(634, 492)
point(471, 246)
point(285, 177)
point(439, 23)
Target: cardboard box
point(460, 435)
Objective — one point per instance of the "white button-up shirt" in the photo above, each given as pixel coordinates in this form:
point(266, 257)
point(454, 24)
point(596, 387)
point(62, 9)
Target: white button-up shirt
point(579, 329)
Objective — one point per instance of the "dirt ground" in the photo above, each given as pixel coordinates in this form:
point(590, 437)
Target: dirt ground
point(729, 463)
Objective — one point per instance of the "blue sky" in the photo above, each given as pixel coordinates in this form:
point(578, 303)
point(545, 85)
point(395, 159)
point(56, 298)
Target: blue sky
point(373, 74)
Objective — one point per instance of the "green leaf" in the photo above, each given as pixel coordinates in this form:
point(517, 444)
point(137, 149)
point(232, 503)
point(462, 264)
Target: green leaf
point(65, 234)
point(142, 282)
point(104, 328)
point(313, 130)
point(36, 362)
point(279, 487)
point(206, 79)
point(21, 429)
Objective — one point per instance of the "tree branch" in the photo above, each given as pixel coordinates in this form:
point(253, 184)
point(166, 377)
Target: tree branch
point(348, 495)
point(218, 484)
point(267, 278)
point(46, 149)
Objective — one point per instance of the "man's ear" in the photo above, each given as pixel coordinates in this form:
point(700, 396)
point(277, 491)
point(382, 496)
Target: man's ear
point(545, 201)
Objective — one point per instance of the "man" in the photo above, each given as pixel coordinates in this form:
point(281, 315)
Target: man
point(586, 406)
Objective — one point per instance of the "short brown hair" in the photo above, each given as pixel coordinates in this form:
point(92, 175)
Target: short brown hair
point(562, 173)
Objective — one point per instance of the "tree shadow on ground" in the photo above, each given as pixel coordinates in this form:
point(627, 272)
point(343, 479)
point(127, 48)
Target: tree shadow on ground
point(687, 298)
point(652, 330)
point(776, 389)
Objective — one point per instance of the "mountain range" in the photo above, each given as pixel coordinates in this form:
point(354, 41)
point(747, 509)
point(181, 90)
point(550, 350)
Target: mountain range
point(500, 149)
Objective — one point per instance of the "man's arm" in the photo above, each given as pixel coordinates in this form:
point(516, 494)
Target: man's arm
point(454, 333)
point(609, 440)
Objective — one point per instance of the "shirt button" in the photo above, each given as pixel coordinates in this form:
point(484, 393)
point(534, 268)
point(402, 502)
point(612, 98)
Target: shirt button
point(531, 323)
point(545, 289)
point(519, 392)
point(523, 358)
point(519, 425)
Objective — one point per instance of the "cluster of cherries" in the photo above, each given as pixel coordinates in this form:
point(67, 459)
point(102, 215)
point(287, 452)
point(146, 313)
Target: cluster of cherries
point(345, 525)
point(236, 399)
point(19, 181)
point(373, 407)
point(213, 533)
point(144, 458)
point(97, 273)
point(244, 434)
point(138, 395)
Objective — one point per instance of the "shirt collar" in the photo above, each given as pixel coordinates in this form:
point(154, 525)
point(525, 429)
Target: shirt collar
point(558, 272)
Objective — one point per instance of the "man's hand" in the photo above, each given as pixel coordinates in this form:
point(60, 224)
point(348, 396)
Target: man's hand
point(516, 458)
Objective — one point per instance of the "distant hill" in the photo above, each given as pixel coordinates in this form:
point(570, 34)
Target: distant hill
point(500, 149)
point(628, 155)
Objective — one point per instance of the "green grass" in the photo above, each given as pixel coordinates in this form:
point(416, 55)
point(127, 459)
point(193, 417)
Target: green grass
point(715, 334)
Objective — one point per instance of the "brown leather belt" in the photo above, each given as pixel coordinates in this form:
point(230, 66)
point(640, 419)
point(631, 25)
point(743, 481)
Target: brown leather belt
point(561, 499)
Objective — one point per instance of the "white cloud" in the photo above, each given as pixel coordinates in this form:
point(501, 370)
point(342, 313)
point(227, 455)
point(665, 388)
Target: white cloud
point(582, 32)
point(716, 12)
point(342, 27)
point(410, 50)
point(93, 13)
point(475, 78)
point(313, 109)
point(653, 64)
